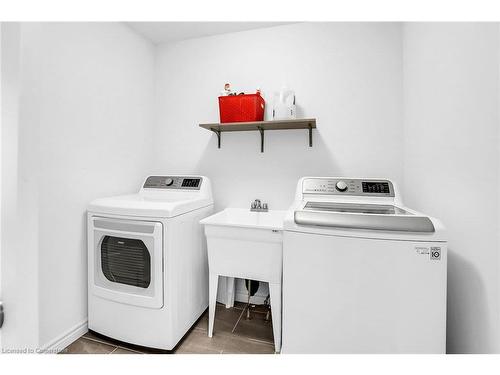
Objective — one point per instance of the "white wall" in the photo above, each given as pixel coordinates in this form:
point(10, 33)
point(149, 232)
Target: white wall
point(1, 122)
point(347, 76)
point(19, 221)
point(451, 162)
point(86, 119)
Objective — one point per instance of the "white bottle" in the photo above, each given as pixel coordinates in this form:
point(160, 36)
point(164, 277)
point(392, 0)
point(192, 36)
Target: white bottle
point(284, 105)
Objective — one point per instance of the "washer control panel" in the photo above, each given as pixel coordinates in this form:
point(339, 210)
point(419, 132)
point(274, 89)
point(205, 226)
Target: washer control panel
point(173, 182)
point(339, 186)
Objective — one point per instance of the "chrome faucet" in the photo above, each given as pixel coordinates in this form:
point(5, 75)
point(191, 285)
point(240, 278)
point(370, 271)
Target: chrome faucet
point(258, 206)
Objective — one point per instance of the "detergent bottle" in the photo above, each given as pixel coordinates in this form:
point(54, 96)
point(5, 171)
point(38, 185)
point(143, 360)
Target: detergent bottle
point(284, 105)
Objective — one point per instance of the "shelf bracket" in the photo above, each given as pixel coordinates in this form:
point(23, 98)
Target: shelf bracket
point(261, 139)
point(310, 135)
point(216, 131)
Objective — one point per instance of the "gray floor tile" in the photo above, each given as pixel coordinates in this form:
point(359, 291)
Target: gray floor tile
point(124, 351)
point(135, 348)
point(90, 334)
point(85, 346)
point(198, 342)
point(256, 327)
point(251, 336)
point(239, 345)
point(99, 338)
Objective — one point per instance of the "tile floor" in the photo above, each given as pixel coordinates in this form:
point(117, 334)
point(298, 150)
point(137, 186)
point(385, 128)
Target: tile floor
point(253, 336)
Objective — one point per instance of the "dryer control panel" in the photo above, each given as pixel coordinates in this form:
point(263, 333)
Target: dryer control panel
point(348, 186)
point(173, 182)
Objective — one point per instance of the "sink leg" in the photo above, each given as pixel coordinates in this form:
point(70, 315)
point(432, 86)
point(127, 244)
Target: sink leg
point(230, 292)
point(212, 300)
point(275, 292)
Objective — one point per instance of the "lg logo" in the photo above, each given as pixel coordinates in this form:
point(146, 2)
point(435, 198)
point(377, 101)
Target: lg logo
point(435, 253)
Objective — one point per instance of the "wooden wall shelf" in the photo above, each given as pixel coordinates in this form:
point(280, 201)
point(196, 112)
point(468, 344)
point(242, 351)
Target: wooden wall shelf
point(261, 126)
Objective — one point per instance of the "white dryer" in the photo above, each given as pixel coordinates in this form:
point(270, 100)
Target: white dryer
point(361, 272)
point(147, 261)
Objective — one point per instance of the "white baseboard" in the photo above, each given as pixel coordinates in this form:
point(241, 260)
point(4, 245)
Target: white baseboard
point(257, 299)
point(61, 342)
point(241, 293)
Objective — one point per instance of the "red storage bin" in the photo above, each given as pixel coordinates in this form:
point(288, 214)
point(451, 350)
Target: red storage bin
point(241, 108)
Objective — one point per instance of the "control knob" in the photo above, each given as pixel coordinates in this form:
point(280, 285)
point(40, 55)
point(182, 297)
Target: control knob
point(169, 181)
point(341, 186)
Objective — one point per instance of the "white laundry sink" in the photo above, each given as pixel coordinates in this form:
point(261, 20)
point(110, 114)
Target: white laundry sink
point(244, 218)
point(247, 245)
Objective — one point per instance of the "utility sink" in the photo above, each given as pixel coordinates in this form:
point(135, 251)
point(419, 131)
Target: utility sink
point(247, 245)
point(244, 218)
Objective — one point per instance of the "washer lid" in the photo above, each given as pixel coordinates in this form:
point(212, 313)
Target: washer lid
point(355, 208)
point(163, 206)
point(362, 216)
point(404, 224)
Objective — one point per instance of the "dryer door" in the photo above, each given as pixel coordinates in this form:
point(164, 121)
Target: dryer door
point(125, 261)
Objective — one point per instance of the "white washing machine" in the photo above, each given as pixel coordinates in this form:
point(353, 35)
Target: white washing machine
point(361, 272)
point(147, 261)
